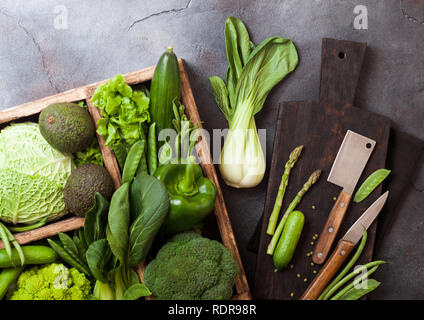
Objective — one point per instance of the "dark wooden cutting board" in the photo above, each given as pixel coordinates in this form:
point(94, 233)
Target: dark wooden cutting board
point(320, 127)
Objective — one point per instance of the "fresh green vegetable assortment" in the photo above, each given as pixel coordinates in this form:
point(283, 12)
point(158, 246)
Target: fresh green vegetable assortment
point(55, 167)
point(252, 72)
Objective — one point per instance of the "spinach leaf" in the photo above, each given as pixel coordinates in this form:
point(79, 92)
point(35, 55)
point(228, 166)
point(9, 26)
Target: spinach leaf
point(118, 223)
point(136, 291)
point(149, 208)
point(98, 256)
point(96, 220)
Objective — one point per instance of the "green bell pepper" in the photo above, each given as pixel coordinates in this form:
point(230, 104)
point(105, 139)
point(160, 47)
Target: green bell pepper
point(192, 196)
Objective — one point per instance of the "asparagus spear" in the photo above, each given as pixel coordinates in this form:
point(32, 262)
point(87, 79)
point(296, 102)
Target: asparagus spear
point(294, 155)
point(312, 179)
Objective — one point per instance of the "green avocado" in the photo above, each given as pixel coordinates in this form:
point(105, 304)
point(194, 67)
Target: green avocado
point(82, 185)
point(67, 127)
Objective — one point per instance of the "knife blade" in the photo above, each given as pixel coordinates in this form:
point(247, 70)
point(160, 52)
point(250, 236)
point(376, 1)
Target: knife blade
point(350, 160)
point(344, 248)
point(355, 232)
point(347, 168)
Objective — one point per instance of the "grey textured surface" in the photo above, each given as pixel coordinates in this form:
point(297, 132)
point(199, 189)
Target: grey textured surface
point(109, 37)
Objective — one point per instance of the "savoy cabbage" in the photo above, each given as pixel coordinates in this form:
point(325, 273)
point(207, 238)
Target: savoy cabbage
point(32, 175)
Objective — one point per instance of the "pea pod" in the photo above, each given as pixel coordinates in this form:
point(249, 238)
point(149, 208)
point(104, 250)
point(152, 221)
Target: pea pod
point(142, 167)
point(152, 153)
point(133, 160)
point(370, 184)
point(287, 244)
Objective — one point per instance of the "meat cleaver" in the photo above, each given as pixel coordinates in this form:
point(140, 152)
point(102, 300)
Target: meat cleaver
point(347, 168)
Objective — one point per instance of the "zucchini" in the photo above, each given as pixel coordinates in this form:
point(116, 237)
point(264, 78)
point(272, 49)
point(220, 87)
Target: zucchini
point(287, 244)
point(33, 255)
point(7, 278)
point(164, 90)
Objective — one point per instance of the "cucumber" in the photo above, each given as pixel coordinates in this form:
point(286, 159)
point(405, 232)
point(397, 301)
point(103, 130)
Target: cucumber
point(33, 255)
point(7, 278)
point(287, 244)
point(164, 89)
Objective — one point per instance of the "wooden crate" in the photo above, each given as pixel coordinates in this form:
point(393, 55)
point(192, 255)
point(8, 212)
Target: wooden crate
point(84, 93)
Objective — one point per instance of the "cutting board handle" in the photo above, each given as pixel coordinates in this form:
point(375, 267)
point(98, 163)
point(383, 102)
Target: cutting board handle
point(341, 63)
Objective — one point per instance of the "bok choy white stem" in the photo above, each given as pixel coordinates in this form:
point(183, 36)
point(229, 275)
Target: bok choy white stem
point(252, 72)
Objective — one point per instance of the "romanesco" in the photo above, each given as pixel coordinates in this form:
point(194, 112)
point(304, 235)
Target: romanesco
point(190, 267)
point(52, 282)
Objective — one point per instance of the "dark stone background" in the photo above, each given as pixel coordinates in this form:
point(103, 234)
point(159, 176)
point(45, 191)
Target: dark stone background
point(109, 37)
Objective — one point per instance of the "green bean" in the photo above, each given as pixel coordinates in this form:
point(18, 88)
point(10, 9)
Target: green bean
point(370, 184)
point(324, 295)
point(37, 225)
point(351, 275)
point(142, 168)
point(133, 160)
point(352, 284)
point(152, 153)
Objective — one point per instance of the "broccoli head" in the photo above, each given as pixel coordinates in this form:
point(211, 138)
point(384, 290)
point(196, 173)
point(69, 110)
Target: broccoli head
point(190, 267)
point(52, 282)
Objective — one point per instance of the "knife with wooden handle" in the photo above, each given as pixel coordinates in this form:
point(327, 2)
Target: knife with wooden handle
point(347, 168)
point(344, 248)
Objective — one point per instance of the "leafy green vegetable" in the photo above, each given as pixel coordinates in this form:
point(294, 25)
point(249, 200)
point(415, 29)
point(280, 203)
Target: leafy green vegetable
point(32, 176)
point(252, 73)
point(118, 223)
point(124, 111)
point(90, 155)
point(96, 220)
point(98, 256)
point(136, 291)
point(149, 208)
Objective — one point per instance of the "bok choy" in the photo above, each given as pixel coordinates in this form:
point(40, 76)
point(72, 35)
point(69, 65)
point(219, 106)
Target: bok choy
point(251, 74)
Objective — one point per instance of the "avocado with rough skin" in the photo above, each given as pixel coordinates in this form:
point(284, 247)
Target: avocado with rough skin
point(82, 185)
point(67, 127)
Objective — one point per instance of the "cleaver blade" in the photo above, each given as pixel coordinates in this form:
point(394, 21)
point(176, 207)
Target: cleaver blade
point(350, 161)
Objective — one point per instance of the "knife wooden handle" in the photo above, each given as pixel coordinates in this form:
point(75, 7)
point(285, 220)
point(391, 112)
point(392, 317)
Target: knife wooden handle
point(328, 234)
point(327, 272)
